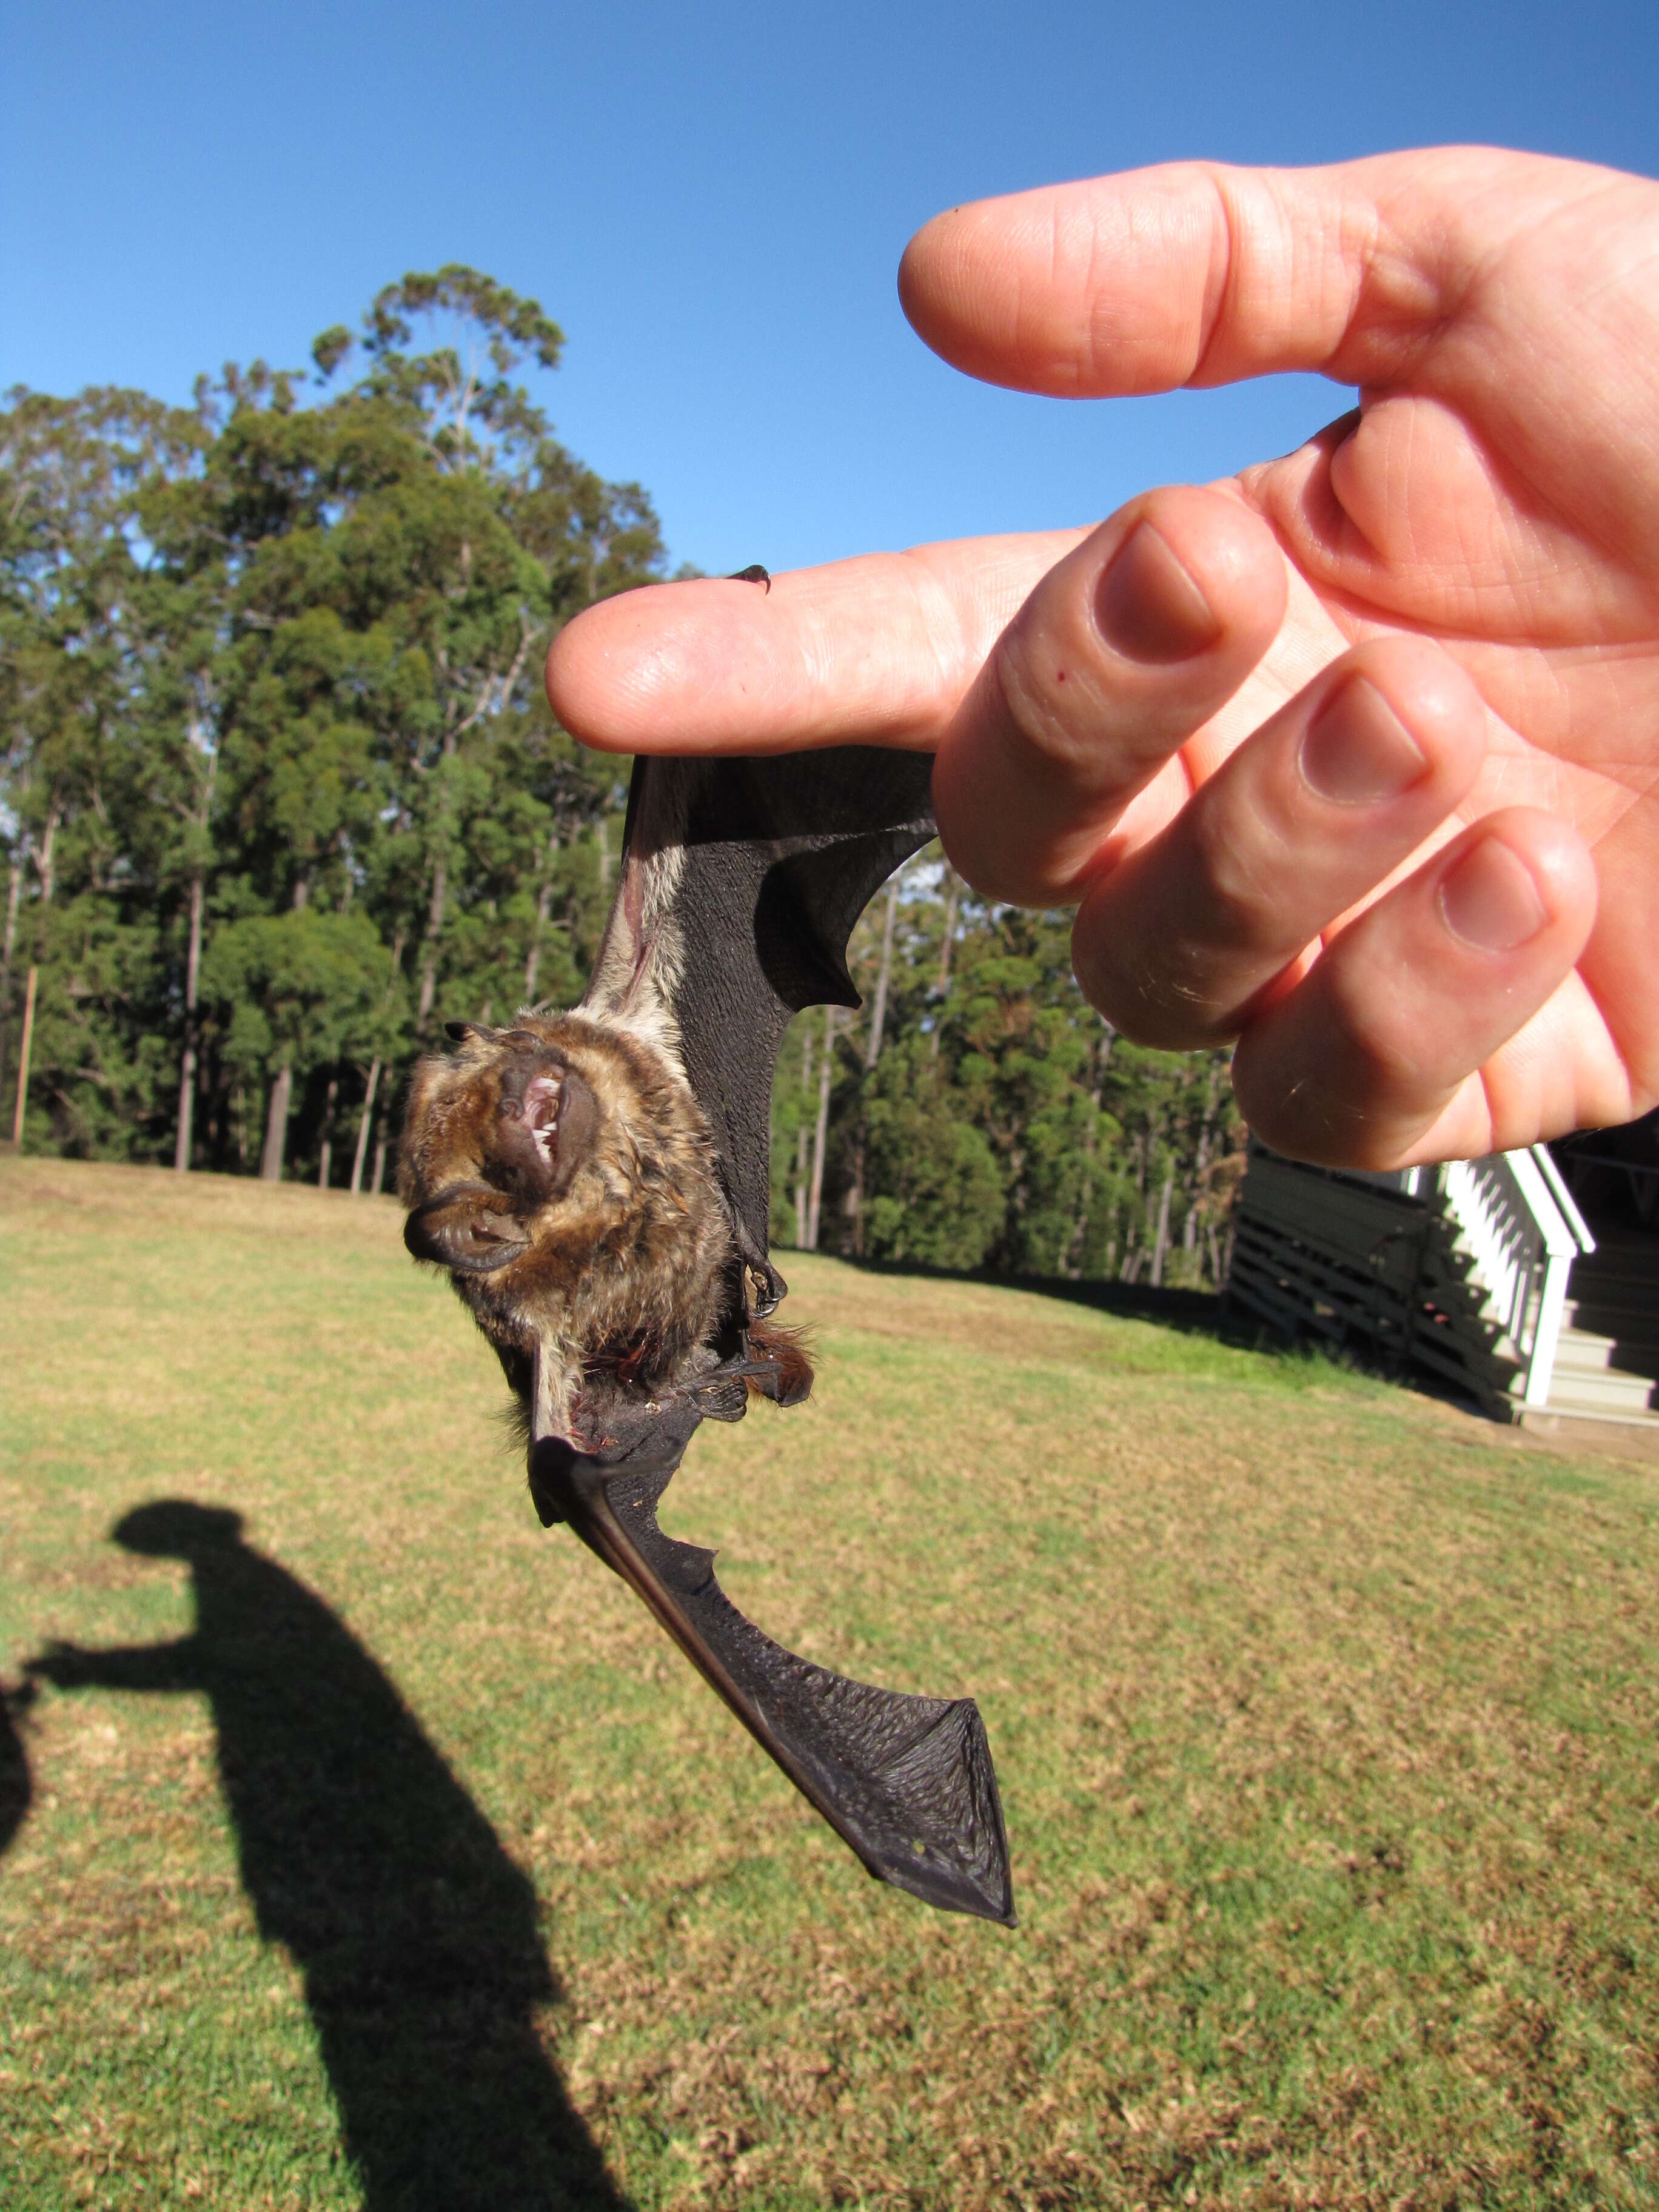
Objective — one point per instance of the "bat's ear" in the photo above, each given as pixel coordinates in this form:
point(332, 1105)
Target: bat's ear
point(459, 1032)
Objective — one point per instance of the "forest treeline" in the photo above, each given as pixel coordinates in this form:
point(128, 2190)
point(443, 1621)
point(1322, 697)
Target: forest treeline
point(282, 794)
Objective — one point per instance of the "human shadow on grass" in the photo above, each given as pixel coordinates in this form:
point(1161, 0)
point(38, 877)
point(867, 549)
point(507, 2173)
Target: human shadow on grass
point(15, 1788)
point(415, 1933)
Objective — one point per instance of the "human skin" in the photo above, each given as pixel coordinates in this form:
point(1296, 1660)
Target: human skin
point(1353, 758)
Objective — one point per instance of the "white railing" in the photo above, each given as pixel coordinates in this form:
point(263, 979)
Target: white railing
point(1524, 1232)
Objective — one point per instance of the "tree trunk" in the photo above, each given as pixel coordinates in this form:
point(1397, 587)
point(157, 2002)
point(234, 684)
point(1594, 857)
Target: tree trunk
point(434, 922)
point(187, 1058)
point(23, 1056)
point(821, 1134)
point(7, 947)
point(872, 1054)
point(952, 883)
point(1161, 1243)
point(44, 861)
point(800, 1140)
point(363, 1125)
point(883, 978)
point(281, 1092)
point(43, 866)
point(543, 907)
point(326, 1157)
point(379, 1167)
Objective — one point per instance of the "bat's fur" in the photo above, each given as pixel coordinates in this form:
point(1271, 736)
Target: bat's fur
point(606, 1244)
point(598, 1185)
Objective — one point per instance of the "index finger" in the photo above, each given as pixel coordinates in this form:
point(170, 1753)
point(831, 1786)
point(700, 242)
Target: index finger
point(1197, 273)
point(879, 650)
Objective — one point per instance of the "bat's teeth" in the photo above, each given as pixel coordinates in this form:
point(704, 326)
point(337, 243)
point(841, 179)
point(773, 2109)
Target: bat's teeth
point(542, 1103)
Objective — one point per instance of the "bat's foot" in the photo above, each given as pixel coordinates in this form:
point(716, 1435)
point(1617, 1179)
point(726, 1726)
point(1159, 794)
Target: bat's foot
point(778, 1365)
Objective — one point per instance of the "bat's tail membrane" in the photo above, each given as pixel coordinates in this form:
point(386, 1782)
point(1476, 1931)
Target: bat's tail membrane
point(906, 1781)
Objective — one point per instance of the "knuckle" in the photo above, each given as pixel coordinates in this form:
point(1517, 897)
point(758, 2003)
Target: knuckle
point(1374, 1029)
point(1044, 693)
point(1164, 1001)
point(1243, 876)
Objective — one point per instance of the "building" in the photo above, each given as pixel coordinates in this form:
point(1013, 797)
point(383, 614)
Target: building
point(1527, 1281)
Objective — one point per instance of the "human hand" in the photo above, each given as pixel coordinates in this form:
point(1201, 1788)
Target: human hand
point(66, 1666)
point(1354, 758)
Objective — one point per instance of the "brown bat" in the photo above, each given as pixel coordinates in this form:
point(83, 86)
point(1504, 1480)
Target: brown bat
point(598, 1183)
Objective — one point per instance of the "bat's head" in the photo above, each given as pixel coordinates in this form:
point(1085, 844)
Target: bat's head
point(562, 1171)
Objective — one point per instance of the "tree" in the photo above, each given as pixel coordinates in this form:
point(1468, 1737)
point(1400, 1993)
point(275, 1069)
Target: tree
point(280, 792)
point(294, 992)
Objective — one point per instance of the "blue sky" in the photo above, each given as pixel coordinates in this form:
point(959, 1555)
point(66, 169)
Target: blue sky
point(712, 199)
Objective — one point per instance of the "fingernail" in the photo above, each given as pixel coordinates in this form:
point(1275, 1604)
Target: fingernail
point(1356, 750)
point(1490, 900)
point(1147, 606)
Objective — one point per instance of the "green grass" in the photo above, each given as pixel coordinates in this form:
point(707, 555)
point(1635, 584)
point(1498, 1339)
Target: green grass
point(426, 1875)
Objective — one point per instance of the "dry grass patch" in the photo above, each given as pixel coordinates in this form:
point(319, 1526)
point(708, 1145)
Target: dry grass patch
point(382, 1852)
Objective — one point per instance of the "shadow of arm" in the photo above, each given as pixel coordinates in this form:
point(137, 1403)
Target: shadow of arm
point(174, 1666)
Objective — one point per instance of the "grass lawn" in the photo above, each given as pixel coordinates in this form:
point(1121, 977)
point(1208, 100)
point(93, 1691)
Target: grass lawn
point(375, 1848)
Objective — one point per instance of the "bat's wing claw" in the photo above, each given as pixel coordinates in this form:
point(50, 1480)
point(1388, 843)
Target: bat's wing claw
point(943, 1788)
point(906, 1782)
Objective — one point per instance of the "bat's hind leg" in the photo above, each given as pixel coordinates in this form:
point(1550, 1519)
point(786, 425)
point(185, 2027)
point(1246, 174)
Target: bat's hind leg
point(778, 1365)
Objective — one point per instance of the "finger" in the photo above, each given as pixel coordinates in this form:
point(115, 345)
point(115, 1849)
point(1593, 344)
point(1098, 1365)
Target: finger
point(1124, 648)
point(1302, 822)
point(1196, 273)
point(1399, 1041)
point(875, 651)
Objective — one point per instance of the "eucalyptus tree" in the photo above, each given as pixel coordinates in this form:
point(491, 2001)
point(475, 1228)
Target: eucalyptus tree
point(82, 896)
point(466, 563)
point(399, 552)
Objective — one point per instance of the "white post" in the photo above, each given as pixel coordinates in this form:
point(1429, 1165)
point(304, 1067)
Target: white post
point(1546, 1329)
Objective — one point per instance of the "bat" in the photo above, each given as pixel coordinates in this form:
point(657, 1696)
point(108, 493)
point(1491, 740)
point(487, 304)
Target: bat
point(597, 1183)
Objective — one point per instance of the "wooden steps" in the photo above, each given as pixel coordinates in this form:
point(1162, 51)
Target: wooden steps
point(1355, 1261)
point(1607, 1364)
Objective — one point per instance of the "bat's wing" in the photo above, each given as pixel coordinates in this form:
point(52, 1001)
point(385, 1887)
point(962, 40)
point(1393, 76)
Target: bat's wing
point(741, 881)
point(906, 1782)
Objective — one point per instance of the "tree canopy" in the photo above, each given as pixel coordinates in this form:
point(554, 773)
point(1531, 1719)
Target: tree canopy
point(280, 792)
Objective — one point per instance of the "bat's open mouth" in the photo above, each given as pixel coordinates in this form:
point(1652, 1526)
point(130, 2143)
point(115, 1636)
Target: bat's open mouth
point(543, 1103)
point(544, 1126)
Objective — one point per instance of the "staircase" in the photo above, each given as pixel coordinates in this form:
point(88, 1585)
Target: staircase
point(1606, 1361)
point(1482, 1271)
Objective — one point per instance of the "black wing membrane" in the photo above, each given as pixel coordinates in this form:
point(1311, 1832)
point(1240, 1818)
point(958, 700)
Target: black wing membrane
point(753, 872)
point(906, 1782)
point(777, 856)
